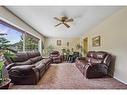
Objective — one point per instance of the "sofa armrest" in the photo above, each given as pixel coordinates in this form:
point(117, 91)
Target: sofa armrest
point(23, 67)
point(21, 70)
point(24, 74)
point(95, 70)
point(8, 67)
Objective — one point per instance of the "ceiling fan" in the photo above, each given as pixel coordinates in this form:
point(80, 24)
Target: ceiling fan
point(63, 20)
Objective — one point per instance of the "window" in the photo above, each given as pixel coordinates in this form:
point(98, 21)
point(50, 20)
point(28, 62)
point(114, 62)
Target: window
point(16, 39)
point(11, 38)
point(31, 43)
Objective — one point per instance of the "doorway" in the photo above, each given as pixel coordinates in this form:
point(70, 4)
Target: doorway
point(85, 44)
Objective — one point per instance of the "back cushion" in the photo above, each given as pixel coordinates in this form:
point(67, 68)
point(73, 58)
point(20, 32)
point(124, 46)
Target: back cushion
point(37, 53)
point(93, 60)
point(54, 55)
point(90, 54)
point(33, 54)
point(20, 57)
point(55, 52)
point(100, 55)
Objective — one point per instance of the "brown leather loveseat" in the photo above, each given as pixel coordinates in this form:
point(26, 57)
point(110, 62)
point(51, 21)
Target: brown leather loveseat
point(27, 68)
point(95, 64)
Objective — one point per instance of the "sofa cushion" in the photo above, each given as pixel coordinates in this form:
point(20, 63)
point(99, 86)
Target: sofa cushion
point(90, 54)
point(100, 55)
point(54, 55)
point(28, 62)
point(33, 54)
point(55, 52)
point(36, 59)
point(19, 57)
point(93, 60)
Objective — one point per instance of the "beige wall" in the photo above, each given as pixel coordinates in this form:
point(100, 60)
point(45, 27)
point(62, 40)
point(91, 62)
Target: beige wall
point(72, 43)
point(113, 32)
point(7, 16)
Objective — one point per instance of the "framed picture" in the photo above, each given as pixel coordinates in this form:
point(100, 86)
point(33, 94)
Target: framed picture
point(58, 42)
point(96, 41)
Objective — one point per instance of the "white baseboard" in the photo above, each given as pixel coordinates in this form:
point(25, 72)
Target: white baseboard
point(120, 80)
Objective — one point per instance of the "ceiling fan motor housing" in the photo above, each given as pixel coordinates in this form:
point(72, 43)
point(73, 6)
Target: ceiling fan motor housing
point(64, 18)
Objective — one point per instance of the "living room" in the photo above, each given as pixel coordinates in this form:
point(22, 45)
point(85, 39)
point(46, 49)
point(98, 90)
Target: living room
point(59, 29)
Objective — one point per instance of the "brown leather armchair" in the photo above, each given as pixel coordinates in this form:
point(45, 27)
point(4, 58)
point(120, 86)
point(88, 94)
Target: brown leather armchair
point(56, 57)
point(95, 65)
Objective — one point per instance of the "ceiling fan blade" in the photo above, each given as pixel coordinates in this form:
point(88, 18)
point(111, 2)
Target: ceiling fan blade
point(58, 24)
point(69, 20)
point(66, 25)
point(57, 18)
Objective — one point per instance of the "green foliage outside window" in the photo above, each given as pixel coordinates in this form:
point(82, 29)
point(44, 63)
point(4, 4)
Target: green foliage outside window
point(31, 43)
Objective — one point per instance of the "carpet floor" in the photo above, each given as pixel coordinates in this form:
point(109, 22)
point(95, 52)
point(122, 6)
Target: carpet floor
point(67, 76)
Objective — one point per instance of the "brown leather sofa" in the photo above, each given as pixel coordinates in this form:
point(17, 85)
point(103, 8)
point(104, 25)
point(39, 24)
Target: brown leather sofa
point(27, 68)
point(95, 64)
point(56, 57)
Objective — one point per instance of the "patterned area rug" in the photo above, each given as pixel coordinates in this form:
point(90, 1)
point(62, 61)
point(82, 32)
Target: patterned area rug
point(67, 76)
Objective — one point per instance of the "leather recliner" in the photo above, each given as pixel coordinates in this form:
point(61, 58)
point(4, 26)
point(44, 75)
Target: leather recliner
point(56, 57)
point(95, 64)
point(27, 68)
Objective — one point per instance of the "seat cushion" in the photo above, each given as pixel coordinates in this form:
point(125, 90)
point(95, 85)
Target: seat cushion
point(28, 62)
point(36, 59)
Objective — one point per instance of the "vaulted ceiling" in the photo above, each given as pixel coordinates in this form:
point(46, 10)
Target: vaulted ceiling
point(42, 18)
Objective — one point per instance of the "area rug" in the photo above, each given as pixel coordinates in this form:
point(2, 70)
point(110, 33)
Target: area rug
point(67, 76)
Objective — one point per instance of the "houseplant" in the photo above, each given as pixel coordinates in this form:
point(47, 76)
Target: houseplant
point(48, 50)
point(5, 52)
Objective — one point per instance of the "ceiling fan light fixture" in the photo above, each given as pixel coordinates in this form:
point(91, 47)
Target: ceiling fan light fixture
point(63, 20)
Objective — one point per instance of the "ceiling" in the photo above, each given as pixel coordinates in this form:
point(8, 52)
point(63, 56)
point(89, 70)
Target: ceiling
point(42, 18)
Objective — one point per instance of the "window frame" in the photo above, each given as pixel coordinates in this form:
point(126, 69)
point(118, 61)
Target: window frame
point(19, 30)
